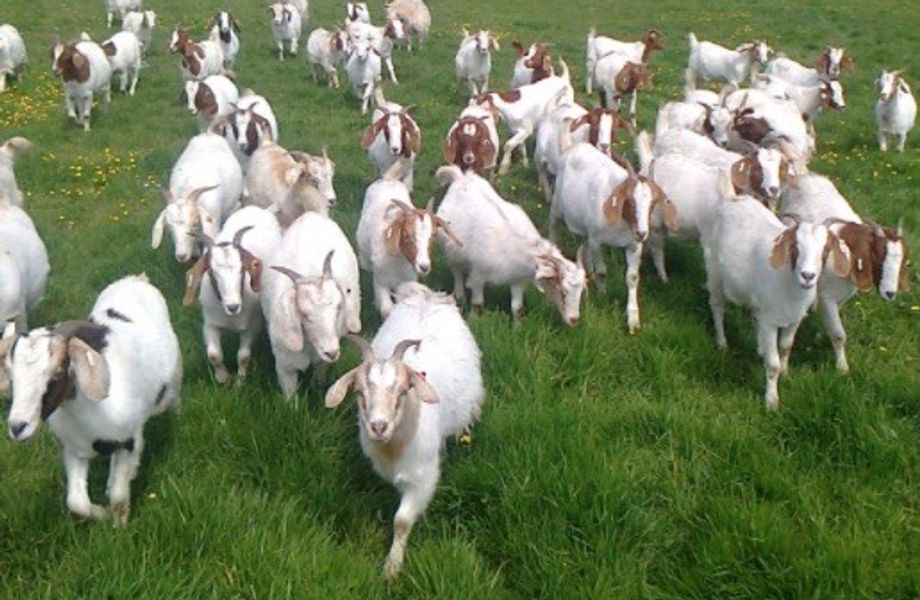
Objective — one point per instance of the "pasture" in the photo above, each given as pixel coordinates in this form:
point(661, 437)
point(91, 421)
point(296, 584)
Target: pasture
point(604, 466)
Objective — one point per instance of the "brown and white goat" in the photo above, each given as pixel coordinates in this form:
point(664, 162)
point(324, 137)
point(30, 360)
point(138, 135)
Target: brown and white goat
point(533, 64)
point(392, 136)
point(199, 60)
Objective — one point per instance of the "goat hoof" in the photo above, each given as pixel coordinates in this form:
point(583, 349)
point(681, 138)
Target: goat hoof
point(120, 513)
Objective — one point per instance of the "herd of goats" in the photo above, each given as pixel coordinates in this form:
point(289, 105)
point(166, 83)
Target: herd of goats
point(728, 169)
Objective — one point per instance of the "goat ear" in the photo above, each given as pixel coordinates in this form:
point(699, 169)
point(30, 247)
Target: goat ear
point(234, 23)
point(669, 215)
point(741, 175)
point(291, 332)
point(546, 271)
point(840, 255)
point(253, 266)
point(91, 369)
point(293, 174)
point(613, 206)
point(423, 389)
point(582, 120)
point(209, 225)
point(494, 43)
point(821, 64)
point(193, 279)
point(337, 391)
point(156, 235)
point(518, 47)
point(370, 134)
point(782, 247)
point(449, 149)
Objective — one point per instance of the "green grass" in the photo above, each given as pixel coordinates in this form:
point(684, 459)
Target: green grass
point(604, 465)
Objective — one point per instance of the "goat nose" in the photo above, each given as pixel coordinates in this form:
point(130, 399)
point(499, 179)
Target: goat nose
point(232, 309)
point(17, 428)
point(331, 355)
point(808, 275)
point(888, 295)
point(573, 321)
point(379, 427)
point(331, 200)
point(641, 235)
point(424, 268)
point(182, 258)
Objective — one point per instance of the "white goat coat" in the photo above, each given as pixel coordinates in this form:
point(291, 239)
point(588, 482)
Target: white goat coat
point(695, 189)
point(100, 73)
point(207, 161)
point(793, 72)
point(897, 115)
point(815, 198)
point(693, 145)
point(547, 152)
point(9, 189)
point(142, 357)
point(473, 67)
point(138, 23)
point(23, 264)
point(127, 59)
point(12, 53)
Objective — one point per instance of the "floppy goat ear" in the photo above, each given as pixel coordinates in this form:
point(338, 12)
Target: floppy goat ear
point(423, 390)
point(337, 391)
point(91, 369)
point(193, 278)
point(156, 234)
point(782, 247)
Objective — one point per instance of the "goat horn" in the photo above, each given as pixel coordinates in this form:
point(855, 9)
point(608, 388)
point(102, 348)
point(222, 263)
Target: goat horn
point(402, 346)
point(66, 329)
point(193, 196)
point(327, 264)
point(405, 109)
point(366, 352)
point(430, 206)
point(900, 227)
point(790, 216)
point(238, 238)
point(294, 275)
point(203, 238)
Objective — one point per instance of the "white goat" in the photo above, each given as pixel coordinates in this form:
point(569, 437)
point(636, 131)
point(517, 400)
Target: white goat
point(522, 109)
point(211, 98)
point(310, 296)
point(830, 64)
point(383, 39)
point(363, 68)
point(392, 136)
point(85, 71)
point(495, 242)
point(13, 57)
point(124, 51)
point(199, 60)
point(246, 127)
point(286, 26)
point(615, 76)
point(204, 189)
point(357, 12)
point(225, 31)
point(639, 52)
point(326, 50)
point(714, 122)
point(608, 205)
point(809, 99)
point(895, 110)
point(395, 238)
point(757, 262)
point(290, 183)
point(141, 23)
point(473, 61)
point(23, 265)
point(120, 8)
point(415, 17)
point(428, 388)
point(9, 189)
point(230, 300)
point(712, 62)
point(96, 382)
point(878, 255)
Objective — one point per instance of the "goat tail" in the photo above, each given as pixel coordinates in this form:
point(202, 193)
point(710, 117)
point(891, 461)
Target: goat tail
point(448, 174)
point(592, 33)
point(644, 143)
point(16, 145)
point(691, 40)
point(565, 70)
point(689, 81)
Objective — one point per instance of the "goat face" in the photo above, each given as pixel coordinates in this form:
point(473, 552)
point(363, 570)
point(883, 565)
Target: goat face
point(280, 13)
point(482, 39)
point(320, 170)
point(393, 132)
point(32, 362)
point(770, 163)
point(832, 95)
point(226, 270)
point(224, 25)
point(564, 282)
point(887, 85)
point(177, 39)
point(893, 267)
point(319, 302)
point(803, 248)
point(761, 52)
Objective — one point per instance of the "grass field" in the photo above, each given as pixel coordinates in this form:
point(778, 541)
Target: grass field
point(604, 466)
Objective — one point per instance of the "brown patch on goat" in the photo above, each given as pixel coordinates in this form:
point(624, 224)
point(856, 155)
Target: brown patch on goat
point(205, 101)
point(400, 235)
point(541, 62)
point(411, 137)
point(109, 48)
point(868, 251)
point(593, 120)
point(510, 96)
point(192, 57)
point(632, 77)
point(653, 40)
point(751, 128)
point(73, 65)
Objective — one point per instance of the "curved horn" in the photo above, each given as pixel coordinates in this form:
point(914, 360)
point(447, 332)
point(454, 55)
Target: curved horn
point(794, 218)
point(294, 275)
point(193, 196)
point(430, 206)
point(366, 353)
point(327, 264)
point(66, 329)
point(203, 238)
point(238, 238)
point(402, 346)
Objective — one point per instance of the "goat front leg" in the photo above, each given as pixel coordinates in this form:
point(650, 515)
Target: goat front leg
point(414, 501)
point(477, 291)
point(902, 139)
point(633, 260)
point(716, 297)
point(459, 290)
point(293, 45)
point(244, 354)
point(786, 339)
point(366, 97)
point(589, 77)
point(632, 106)
point(517, 302)
point(882, 141)
point(71, 107)
point(830, 313)
point(516, 140)
point(78, 502)
point(134, 75)
point(390, 70)
point(280, 50)
point(215, 352)
point(86, 109)
point(122, 470)
point(766, 342)
point(382, 299)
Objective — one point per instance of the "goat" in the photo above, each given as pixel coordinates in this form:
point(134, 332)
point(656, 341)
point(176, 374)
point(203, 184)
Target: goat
point(13, 57)
point(211, 98)
point(878, 255)
point(124, 51)
point(23, 266)
point(392, 136)
point(532, 65)
point(599, 46)
point(363, 68)
point(395, 238)
point(204, 189)
point(715, 122)
point(473, 61)
point(615, 77)
point(290, 183)
point(522, 109)
point(761, 118)
point(225, 29)
point(712, 62)
point(357, 12)
point(85, 70)
point(608, 205)
point(286, 27)
point(96, 382)
point(382, 39)
point(9, 189)
point(230, 300)
point(252, 121)
point(141, 23)
point(808, 99)
point(428, 389)
point(756, 261)
point(828, 67)
point(597, 127)
point(326, 50)
point(415, 17)
point(496, 242)
point(895, 110)
point(310, 298)
point(472, 141)
point(120, 8)
point(199, 60)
